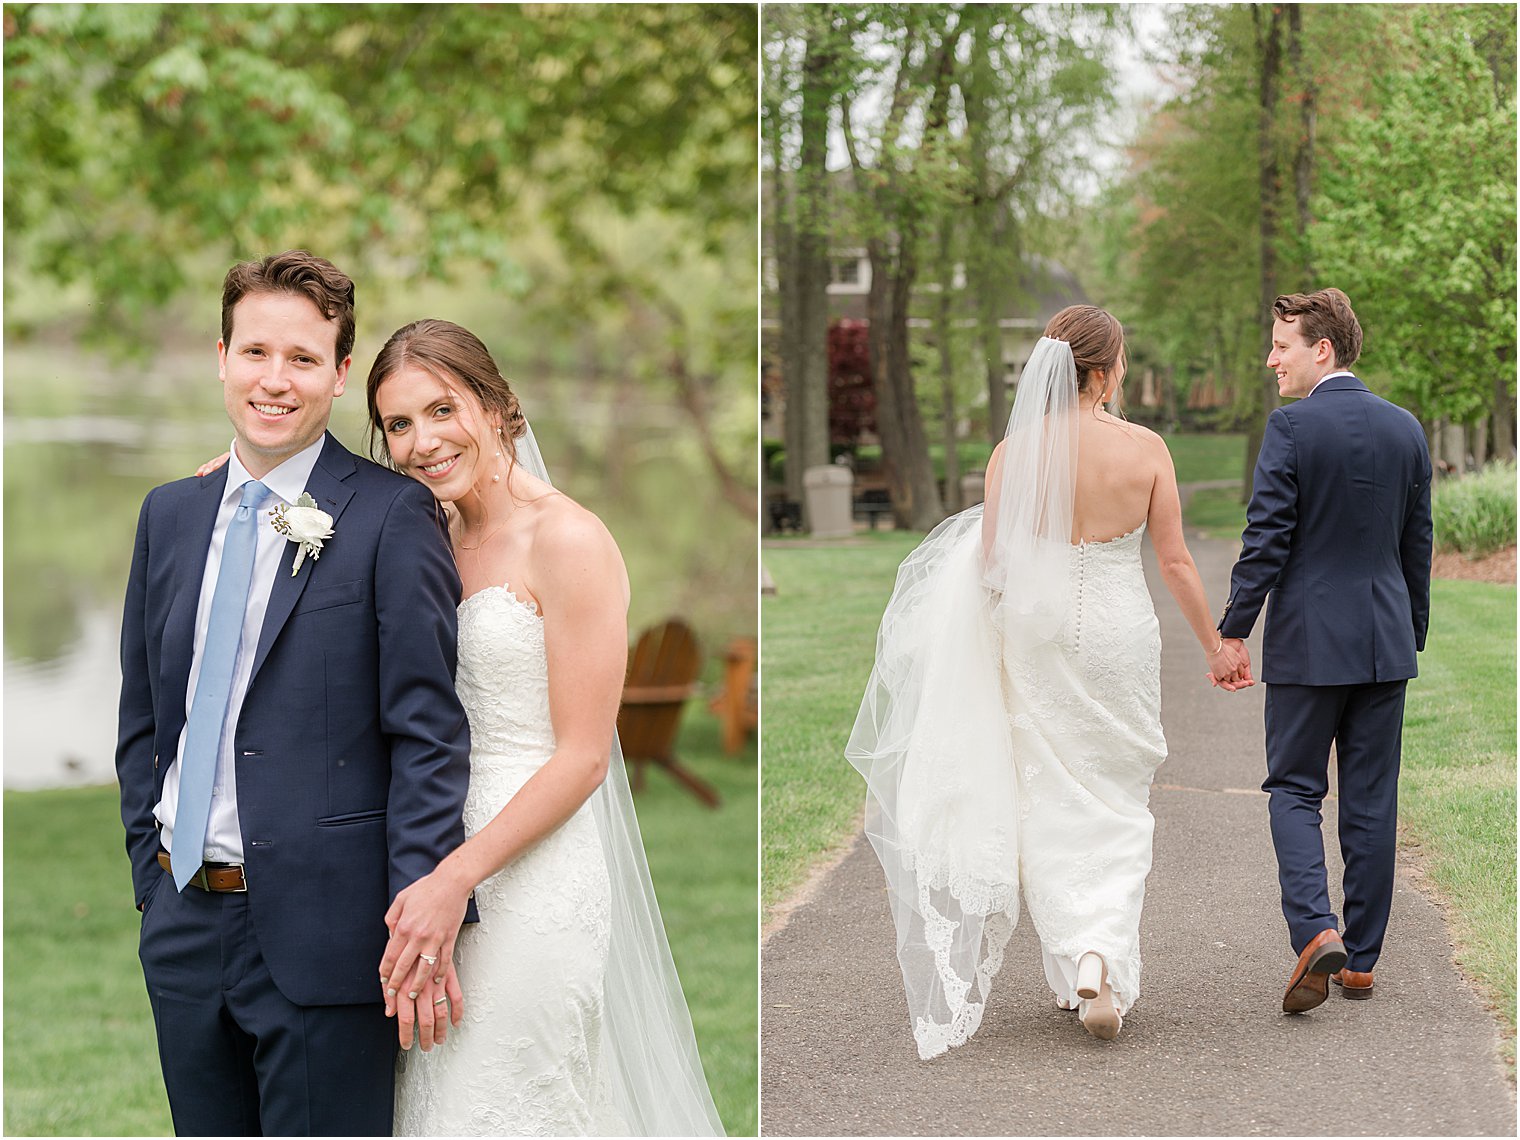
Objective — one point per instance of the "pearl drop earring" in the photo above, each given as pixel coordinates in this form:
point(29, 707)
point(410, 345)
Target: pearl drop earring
point(497, 477)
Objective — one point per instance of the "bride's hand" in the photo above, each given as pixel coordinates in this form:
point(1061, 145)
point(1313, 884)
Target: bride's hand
point(1230, 666)
point(211, 465)
point(424, 920)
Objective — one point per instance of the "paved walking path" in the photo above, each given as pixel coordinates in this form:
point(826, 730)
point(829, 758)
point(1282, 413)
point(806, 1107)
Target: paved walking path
point(1205, 1051)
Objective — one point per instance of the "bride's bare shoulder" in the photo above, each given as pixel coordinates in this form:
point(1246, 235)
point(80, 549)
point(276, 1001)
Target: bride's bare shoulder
point(1150, 441)
point(569, 540)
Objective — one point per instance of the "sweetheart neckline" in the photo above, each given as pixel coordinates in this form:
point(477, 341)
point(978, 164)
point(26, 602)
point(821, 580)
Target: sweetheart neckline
point(505, 588)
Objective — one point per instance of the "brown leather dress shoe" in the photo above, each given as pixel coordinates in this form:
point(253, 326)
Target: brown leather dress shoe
point(1309, 985)
point(1353, 983)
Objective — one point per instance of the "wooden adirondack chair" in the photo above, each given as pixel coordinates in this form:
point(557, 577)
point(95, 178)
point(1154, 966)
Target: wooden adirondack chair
point(736, 705)
point(662, 677)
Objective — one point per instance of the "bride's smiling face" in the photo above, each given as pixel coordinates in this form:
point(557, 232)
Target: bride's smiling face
point(436, 432)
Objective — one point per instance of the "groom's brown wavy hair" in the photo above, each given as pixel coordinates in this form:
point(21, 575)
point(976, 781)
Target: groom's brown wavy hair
point(1323, 315)
point(302, 273)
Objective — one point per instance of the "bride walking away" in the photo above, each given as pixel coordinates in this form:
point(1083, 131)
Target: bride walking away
point(1011, 726)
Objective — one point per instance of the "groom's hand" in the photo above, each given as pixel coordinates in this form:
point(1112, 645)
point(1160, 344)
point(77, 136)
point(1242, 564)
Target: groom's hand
point(421, 1017)
point(427, 1017)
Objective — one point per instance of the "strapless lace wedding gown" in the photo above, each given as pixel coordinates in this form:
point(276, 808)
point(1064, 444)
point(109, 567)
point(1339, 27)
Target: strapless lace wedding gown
point(1085, 714)
point(525, 1060)
point(1003, 766)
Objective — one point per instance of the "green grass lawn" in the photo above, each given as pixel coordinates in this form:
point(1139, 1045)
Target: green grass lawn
point(812, 795)
point(1206, 457)
point(1457, 793)
point(80, 1057)
point(1217, 512)
point(1457, 787)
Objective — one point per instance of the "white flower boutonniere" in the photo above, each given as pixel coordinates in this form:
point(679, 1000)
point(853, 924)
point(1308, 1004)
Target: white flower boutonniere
point(305, 525)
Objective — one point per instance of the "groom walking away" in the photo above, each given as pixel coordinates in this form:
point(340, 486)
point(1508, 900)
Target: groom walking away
point(1338, 532)
point(291, 750)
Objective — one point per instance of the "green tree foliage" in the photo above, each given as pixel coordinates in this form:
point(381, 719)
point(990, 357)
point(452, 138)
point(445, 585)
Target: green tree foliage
point(1399, 188)
point(963, 125)
point(1185, 244)
point(135, 132)
point(593, 164)
point(1417, 216)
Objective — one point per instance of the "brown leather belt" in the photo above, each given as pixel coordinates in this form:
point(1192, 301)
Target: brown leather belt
point(219, 877)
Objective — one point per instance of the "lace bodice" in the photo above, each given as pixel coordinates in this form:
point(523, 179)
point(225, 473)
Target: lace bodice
point(503, 675)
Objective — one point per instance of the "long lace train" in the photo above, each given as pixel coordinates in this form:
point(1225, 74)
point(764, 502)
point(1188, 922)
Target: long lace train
point(1002, 764)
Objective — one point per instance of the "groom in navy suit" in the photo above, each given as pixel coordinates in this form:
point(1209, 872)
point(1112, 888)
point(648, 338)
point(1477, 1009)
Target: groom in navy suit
point(291, 750)
point(1338, 534)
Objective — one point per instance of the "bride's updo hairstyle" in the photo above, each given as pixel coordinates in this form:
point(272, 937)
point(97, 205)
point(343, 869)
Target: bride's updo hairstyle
point(1096, 338)
point(459, 360)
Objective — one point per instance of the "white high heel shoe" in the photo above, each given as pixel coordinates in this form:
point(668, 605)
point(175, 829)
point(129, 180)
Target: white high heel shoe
point(1099, 1015)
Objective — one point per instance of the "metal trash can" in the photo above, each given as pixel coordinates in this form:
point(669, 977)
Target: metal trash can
point(828, 501)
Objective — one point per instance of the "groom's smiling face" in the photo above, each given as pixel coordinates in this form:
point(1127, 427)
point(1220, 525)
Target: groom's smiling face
point(279, 377)
point(1298, 364)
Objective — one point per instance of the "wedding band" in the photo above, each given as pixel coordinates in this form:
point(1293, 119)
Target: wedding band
point(428, 960)
point(441, 1000)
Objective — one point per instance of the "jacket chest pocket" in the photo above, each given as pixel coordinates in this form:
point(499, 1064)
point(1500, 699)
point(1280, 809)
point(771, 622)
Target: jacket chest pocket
point(329, 597)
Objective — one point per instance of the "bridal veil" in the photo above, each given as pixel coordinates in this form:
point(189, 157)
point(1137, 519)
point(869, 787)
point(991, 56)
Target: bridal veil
point(651, 1081)
point(932, 737)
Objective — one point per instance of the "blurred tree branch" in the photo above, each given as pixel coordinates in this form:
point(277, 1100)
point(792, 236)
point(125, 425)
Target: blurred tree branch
point(407, 143)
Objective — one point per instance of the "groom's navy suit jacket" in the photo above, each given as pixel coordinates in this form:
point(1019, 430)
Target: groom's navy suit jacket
point(351, 750)
point(1338, 533)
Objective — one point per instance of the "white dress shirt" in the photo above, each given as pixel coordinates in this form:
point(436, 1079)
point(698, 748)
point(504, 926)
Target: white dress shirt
point(1327, 376)
point(224, 837)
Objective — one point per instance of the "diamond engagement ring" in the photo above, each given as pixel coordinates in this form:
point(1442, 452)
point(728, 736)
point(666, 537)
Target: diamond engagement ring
point(428, 960)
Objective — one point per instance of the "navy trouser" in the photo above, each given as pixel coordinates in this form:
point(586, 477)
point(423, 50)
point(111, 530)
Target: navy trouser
point(1366, 723)
point(239, 1059)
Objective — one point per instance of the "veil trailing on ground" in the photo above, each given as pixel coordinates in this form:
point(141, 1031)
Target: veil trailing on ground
point(652, 1082)
point(932, 737)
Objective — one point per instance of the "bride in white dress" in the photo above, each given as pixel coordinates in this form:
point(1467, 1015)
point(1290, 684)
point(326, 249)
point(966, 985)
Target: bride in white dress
point(572, 1018)
point(1011, 726)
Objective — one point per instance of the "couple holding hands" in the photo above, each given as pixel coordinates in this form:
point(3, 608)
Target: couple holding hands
point(1011, 726)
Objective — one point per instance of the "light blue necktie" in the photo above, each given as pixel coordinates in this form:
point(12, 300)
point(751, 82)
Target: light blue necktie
point(208, 712)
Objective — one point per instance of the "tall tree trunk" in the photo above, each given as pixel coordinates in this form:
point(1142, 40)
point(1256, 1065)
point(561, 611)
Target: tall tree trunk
point(1504, 410)
point(982, 251)
point(920, 508)
point(904, 446)
point(1477, 442)
point(904, 443)
point(789, 347)
point(1269, 45)
point(947, 374)
point(809, 403)
point(1303, 154)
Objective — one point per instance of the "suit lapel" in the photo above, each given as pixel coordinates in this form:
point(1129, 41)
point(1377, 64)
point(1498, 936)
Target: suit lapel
point(195, 520)
point(327, 487)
